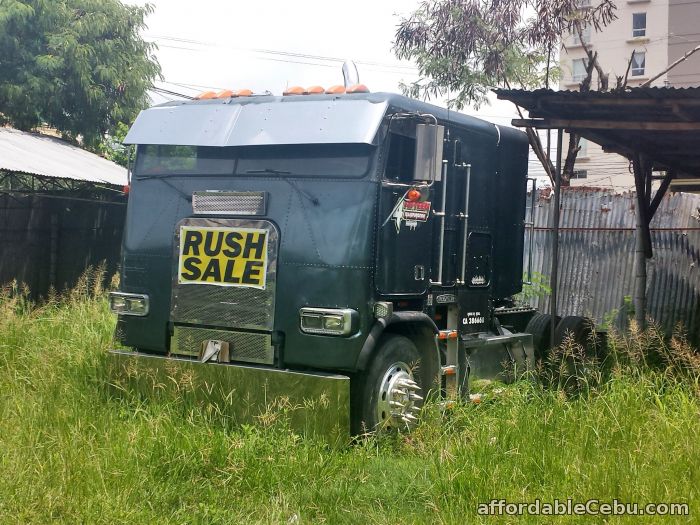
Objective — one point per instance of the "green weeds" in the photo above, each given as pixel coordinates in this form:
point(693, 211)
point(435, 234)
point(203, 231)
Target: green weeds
point(622, 424)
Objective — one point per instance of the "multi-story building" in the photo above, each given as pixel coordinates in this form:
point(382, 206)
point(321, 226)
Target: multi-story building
point(648, 35)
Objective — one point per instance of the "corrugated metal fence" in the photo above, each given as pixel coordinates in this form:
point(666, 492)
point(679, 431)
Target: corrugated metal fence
point(596, 265)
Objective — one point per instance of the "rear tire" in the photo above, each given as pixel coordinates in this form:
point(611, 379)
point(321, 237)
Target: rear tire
point(540, 326)
point(580, 329)
point(389, 394)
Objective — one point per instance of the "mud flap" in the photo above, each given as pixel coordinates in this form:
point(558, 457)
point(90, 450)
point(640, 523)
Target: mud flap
point(500, 357)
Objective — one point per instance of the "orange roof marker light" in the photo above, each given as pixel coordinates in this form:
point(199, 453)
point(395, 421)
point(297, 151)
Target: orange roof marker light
point(357, 88)
point(226, 93)
point(242, 93)
point(206, 95)
point(294, 90)
point(336, 90)
point(315, 90)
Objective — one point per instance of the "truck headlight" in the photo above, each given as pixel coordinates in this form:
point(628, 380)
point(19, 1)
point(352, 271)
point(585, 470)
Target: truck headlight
point(128, 303)
point(328, 321)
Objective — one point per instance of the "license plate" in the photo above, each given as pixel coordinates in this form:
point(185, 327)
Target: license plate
point(223, 256)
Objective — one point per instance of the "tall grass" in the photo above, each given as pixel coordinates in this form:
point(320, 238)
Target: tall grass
point(71, 453)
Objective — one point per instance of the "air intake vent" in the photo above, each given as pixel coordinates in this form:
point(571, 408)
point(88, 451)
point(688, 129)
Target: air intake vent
point(250, 347)
point(229, 202)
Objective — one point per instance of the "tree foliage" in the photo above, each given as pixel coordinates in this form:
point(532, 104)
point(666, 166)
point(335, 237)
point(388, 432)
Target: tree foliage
point(464, 48)
point(79, 66)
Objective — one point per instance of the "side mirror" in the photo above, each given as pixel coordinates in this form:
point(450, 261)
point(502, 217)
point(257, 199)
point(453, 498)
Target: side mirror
point(428, 161)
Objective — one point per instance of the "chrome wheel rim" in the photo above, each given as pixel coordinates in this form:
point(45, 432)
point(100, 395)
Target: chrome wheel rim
point(398, 398)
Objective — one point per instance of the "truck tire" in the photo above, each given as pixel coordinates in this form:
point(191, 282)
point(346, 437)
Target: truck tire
point(540, 326)
point(581, 329)
point(388, 395)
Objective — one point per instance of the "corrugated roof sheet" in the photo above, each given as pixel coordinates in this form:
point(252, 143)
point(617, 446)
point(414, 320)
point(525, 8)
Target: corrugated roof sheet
point(637, 93)
point(51, 157)
point(662, 123)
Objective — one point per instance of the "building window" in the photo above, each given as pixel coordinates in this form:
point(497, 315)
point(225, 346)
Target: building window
point(639, 25)
point(578, 69)
point(574, 39)
point(579, 174)
point(638, 63)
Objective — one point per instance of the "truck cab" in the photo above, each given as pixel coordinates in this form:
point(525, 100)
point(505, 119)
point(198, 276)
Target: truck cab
point(366, 238)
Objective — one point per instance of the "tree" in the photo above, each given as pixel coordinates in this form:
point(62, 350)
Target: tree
point(112, 148)
point(463, 49)
point(79, 66)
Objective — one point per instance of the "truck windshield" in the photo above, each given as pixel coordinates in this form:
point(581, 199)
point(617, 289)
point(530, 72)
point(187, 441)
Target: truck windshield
point(313, 160)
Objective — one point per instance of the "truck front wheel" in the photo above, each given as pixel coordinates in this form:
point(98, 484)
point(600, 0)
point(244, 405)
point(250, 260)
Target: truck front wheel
point(388, 395)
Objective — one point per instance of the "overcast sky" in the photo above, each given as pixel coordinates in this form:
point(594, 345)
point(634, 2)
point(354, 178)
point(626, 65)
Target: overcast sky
point(272, 45)
point(268, 46)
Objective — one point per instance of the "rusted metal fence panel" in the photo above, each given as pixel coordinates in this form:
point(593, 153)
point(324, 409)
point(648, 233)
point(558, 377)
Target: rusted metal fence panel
point(596, 264)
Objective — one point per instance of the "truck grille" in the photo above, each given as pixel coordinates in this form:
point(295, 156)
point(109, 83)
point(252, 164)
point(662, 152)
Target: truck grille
point(252, 348)
point(214, 305)
point(229, 202)
point(227, 306)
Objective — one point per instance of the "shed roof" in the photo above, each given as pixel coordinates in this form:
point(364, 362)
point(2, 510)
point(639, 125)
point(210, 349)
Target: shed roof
point(36, 154)
point(661, 123)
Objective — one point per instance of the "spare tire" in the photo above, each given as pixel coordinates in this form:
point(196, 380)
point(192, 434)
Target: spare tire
point(540, 326)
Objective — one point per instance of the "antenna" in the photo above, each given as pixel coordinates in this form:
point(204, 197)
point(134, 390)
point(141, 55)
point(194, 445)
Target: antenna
point(350, 74)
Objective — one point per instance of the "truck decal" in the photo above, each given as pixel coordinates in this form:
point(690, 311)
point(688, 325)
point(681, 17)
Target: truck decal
point(411, 213)
point(223, 256)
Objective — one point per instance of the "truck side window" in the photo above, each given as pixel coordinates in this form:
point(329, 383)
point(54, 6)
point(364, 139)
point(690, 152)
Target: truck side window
point(401, 158)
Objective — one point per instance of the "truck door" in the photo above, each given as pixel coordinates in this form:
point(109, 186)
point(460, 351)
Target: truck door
point(405, 223)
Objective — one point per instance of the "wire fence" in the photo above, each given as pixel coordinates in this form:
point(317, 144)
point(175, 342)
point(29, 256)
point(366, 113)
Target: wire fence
point(47, 243)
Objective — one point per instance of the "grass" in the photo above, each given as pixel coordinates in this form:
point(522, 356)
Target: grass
point(71, 453)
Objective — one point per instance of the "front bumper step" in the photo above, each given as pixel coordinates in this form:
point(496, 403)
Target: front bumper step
point(315, 404)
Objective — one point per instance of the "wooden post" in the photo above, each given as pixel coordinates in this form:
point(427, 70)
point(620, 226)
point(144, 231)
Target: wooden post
point(555, 240)
point(642, 250)
point(645, 209)
point(53, 250)
point(640, 266)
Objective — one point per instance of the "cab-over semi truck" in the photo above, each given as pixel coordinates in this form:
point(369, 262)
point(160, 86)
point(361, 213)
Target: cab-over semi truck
point(361, 248)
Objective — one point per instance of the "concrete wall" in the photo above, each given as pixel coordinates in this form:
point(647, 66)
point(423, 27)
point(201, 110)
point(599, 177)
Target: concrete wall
point(604, 170)
point(684, 35)
point(615, 44)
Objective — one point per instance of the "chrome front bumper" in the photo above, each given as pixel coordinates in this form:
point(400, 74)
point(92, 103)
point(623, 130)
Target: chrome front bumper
point(313, 403)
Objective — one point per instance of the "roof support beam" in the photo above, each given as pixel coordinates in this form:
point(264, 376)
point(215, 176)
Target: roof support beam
point(554, 275)
point(665, 183)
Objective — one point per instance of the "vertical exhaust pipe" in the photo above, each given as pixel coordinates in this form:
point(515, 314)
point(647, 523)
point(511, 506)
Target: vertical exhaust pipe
point(350, 74)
